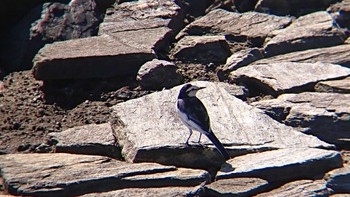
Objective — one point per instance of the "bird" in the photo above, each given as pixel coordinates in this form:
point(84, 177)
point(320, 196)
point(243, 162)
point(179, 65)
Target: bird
point(194, 115)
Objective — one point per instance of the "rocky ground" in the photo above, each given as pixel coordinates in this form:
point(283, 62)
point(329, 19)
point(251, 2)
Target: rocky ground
point(94, 113)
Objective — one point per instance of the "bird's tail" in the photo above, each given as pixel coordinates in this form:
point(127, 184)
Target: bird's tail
point(218, 145)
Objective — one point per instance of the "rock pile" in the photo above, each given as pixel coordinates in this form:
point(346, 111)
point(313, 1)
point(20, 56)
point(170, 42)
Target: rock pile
point(280, 102)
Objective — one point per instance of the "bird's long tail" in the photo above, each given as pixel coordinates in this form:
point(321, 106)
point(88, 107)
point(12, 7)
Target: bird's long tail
point(218, 145)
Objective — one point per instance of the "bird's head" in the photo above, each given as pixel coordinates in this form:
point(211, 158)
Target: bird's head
point(189, 90)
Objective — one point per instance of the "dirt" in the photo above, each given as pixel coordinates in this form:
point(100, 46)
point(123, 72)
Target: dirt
point(30, 109)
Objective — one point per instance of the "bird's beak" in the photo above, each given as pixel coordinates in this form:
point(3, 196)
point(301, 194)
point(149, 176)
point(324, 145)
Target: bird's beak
point(199, 88)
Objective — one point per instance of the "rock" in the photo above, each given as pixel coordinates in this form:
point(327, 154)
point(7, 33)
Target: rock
point(158, 74)
point(339, 179)
point(314, 30)
point(155, 192)
point(92, 139)
point(282, 165)
point(161, 136)
point(336, 55)
point(325, 115)
point(236, 187)
point(335, 86)
point(63, 174)
point(236, 25)
point(341, 13)
point(242, 58)
point(299, 188)
point(275, 78)
point(205, 49)
point(294, 8)
point(99, 57)
point(143, 14)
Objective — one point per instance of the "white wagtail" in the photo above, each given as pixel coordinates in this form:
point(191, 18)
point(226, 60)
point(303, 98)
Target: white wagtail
point(195, 116)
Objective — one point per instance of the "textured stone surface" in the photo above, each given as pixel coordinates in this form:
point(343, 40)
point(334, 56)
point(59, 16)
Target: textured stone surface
point(283, 164)
point(253, 26)
point(275, 78)
point(92, 139)
point(241, 59)
point(336, 86)
point(326, 115)
point(158, 74)
point(339, 179)
point(236, 187)
point(299, 188)
point(202, 49)
point(339, 54)
point(314, 30)
point(63, 174)
point(160, 137)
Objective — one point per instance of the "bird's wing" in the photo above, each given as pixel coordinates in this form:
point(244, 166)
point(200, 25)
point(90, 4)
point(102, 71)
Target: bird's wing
point(197, 113)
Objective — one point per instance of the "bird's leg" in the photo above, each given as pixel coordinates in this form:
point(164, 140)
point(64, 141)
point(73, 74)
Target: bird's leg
point(189, 136)
point(199, 139)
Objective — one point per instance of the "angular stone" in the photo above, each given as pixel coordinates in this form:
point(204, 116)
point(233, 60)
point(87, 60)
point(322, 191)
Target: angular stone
point(335, 86)
point(275, 78)
point(336, 55)
point(236, 187)
point(341, 13)
point(143, 14)
point(202, 49)
point(326, 115)
point(299, 188)
point(99, 57)
point(92, 139)
point(339, 179)
point(155, 192)
point(158, 74)
point(314, 30)
point(63, 174)
point(253, 26)
point(282, 165)
point(242, 58)
point(161, 136)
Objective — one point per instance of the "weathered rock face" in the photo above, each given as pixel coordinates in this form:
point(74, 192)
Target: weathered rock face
point(339, 179)
point(335, 86)
point(341, 13)
point(325, 115)
point(242, 58)
point(161, 136)
point(305, 33)
point(68, 174)
point(275, 78)
point(287, 164)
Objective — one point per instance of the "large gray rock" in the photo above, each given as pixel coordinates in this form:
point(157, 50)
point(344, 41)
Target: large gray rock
point(242, 58)
point(142, 14)
point(336, 55)
point(325, 115)
point(310, 31)
point(253, 26)
point(299, 188)
point(204, 49)
point(282, 165)
point(339, 179)
point(161, 136)
point(99, 57)
point(335, 86)
point(236, 187)
point(63, 174)
point(92, 139)
point(275, 78)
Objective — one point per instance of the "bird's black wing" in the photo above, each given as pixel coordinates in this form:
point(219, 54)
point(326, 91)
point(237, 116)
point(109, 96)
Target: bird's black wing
point(196, 112)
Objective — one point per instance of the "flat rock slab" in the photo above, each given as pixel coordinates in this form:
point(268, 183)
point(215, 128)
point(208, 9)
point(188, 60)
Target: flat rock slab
point(92, 139)
point(236, 187)
point(335, 86)
point(61, 174)
point(150, 129)
point(281, 165)
point(251, 25)
point(314, 30)
point(335, 55)
point(275, 78)
point(339, 179)
point(326, 115)
point(99, 57)
point(299, 188)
